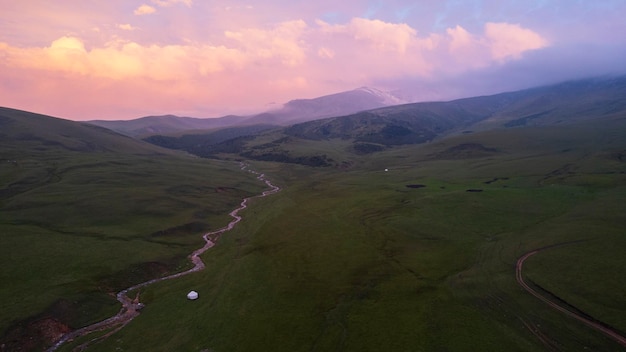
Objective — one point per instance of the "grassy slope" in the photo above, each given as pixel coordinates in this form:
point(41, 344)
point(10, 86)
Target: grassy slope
point(355, 260)
point(85, 212)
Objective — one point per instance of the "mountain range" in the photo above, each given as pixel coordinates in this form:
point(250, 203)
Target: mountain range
point(377, 129)
point(294, 111)
point(271, 136)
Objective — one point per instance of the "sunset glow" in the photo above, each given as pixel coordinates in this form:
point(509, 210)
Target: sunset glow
point(127, 59)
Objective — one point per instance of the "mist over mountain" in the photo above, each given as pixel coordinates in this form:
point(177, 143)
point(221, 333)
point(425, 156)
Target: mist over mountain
point(363, 98)
point(298, 110)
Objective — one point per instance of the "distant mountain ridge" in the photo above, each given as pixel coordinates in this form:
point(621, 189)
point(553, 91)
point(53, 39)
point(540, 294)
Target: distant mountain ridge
point(377, 129)
point(164, 124)
point(356, 100)
point(368, 130)
point(419, 122)
point(294, 111)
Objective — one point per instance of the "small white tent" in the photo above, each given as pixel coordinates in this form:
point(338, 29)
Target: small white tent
point(192, 295)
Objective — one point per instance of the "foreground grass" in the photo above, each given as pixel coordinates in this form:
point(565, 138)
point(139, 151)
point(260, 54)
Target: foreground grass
point(356, 260)
point(77, 227)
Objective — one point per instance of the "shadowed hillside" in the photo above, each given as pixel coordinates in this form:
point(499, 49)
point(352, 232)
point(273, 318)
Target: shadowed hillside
point(379, 129)
point(29, 131)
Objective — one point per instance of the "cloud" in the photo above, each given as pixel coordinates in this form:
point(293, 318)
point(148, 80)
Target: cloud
point(460, 39)
point(363, 48)
point(466, 50)
point(325, 53)
point(122, 59)
point(386, 50)
point(354, 50)
point(144, 10)
point(246, 67)
point(240, 7)
point(499, 43)
point(281, 42)
point(126, 27)
point(381, 35)
point(511, 40)
point(166, 3)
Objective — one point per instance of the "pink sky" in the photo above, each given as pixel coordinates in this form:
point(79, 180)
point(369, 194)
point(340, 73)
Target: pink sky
point(122, 59)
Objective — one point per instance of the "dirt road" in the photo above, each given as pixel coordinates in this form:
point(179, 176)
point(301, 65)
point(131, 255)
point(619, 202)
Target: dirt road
point(605, 329)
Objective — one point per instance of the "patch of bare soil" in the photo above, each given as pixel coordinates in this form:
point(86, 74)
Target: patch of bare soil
point(34, 336)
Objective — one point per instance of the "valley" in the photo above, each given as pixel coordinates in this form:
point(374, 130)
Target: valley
point(398, 228)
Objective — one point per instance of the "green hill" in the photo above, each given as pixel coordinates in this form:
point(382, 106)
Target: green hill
point(85, 212)
point(29, 132)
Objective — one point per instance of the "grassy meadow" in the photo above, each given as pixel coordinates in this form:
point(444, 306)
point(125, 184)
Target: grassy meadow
point(79, 222)
point(352, 259)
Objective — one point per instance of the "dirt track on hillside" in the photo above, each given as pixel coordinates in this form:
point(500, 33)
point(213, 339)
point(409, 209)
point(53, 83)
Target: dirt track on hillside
point(131, 307)
point(595, 324)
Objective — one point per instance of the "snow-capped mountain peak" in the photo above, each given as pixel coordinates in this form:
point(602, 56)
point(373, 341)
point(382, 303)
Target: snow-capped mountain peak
point(385, 98)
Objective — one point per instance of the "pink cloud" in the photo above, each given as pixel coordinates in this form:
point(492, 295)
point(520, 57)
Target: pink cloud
point(382, 35)
point(144, 10)
point(166, 3)
point(326, 53)
point(122, 59)
point(126, 27)
point(244, 68)
point(460, 39)
point(511, 40)
point(281, 42)
point(499, 42)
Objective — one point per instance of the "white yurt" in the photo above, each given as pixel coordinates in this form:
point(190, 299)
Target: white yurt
point(192, 295)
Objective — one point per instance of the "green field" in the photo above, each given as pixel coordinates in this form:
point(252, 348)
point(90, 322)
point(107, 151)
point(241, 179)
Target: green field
point(408, 249)
point(351, 259)
point(80, 220)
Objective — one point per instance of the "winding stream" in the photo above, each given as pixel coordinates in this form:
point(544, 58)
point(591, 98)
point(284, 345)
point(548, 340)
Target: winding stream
point(131, 307)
